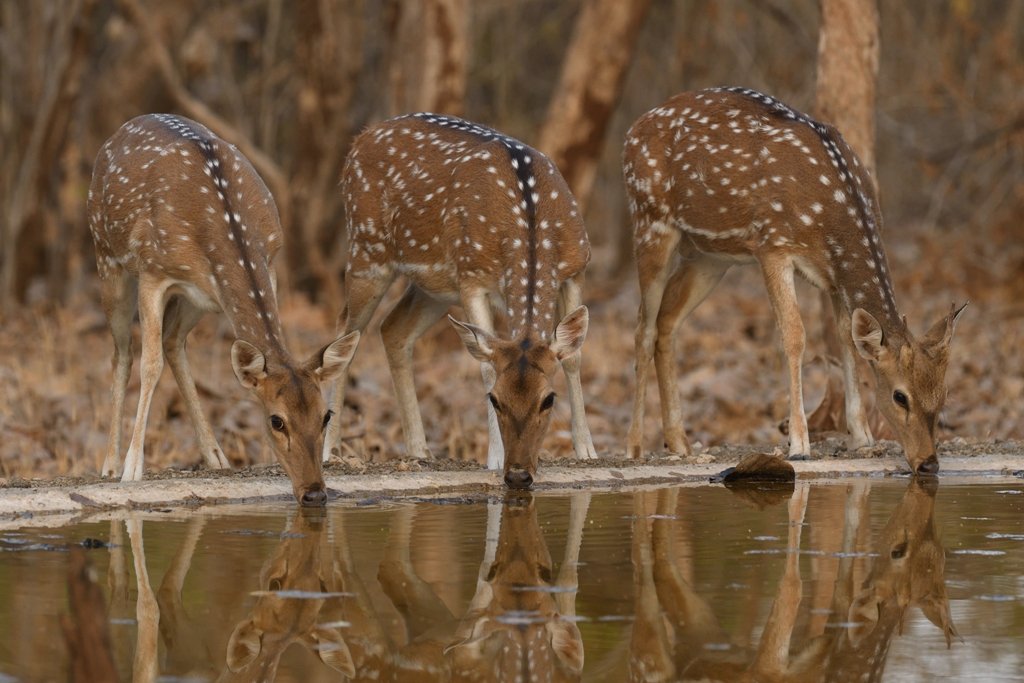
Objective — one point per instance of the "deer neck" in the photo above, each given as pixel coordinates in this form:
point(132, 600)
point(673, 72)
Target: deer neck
point(856, 255)
point(862, 281)
point(240, 271)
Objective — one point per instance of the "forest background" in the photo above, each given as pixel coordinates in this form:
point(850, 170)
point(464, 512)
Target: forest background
point(929, 93)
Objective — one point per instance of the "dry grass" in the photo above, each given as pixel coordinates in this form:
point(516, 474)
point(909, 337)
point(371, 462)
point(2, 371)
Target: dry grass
point(55, 370)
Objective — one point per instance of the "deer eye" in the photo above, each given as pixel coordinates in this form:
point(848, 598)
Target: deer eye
point(327, 417)
point(548, 401)
point(494, 402)
point(277, 423)
point(900, 399)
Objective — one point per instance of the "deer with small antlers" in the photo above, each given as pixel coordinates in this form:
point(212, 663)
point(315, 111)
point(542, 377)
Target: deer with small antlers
point(183, 225)
point(469, 215)
point(728, 175)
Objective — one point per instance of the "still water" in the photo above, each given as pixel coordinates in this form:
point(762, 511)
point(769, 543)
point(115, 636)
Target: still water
point(832, 581)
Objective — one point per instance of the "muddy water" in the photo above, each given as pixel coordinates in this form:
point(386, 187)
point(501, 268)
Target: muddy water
point(852, 580)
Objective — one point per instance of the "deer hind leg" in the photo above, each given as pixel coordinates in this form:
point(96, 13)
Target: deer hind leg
point(478, 310)
point(856, 420)
point(654, 261)
point(120, 300)
point(363, 295)
point(778, 276)
point(582, 442)
point(151, 315)
point(408, 320)
point(688, 286)
point(179, 319)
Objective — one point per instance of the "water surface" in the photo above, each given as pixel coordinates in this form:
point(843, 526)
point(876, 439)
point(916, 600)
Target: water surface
point(849, 580)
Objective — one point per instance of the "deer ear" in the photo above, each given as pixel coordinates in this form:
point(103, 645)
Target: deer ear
point(332, 650)
point(244, 645)
point(249, 364)
point(862, 617)
point(867, 335)
point(570, 333)
point(328, 362)
point(936, 608)
point(941, 333)
point(567, 643)
point(479, 343)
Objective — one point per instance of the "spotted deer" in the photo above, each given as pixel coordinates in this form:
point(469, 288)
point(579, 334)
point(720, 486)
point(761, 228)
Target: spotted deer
point(728, 175)
point(467, 215)
point(183, 225)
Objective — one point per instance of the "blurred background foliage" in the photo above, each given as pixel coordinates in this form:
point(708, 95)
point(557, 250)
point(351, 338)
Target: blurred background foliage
point(933, 90)
point(292, 82)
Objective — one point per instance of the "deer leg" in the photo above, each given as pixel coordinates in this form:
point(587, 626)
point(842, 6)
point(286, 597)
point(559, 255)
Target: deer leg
point(168, 596)
point(568, 572)
point(773, 651)
point(856, 420)
point(151, 315)
point(778, 276)
point(478, 310)
point(654, 266)
point(179, 319)
point(582, 442)
point(120, 299)
point(147, 612)
point(363, 295)
point(420, 607)
point(407, 321)
point(688, 286)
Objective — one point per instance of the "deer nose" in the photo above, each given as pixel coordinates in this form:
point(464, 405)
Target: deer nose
point(314, 498)
point(518, 479)
point(929, 467)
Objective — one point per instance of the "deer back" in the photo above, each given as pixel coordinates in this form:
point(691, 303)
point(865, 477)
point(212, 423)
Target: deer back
point(171, 199)
point(459, 207)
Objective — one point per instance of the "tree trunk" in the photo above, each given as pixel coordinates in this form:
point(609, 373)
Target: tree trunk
point(848, 47)
point(589, 88)
point(430, 49)
point(86, 630)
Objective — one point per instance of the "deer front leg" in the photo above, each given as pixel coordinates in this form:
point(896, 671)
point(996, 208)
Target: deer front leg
point(409, 319)
point(120, 300)
point(582, 442)
point(568, 573)
point(778, 276)
point(151, 313)
point(179, 319)
point(856, 420)
point(478, 310)
point(772, 658)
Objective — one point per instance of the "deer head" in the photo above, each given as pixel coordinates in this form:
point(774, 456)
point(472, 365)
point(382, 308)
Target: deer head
point(909, 570)
point(294, 409)
point(287, 610)
point(523, 393)
point(518, 629)
point(910, 381)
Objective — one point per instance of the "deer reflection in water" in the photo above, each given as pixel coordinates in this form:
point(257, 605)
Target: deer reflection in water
point(518, 623)
point(299, 601)
point(676, 635)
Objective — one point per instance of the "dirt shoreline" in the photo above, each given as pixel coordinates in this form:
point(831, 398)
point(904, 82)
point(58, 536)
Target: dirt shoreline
point(30, 502)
